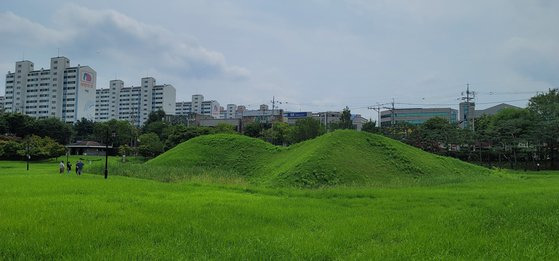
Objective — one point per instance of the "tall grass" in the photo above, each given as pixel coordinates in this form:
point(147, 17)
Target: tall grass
point(136, 169)
point(46, 216)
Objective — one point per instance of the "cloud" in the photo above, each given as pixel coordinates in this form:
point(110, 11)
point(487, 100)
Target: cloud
point(18, 31)
point(122, 40)
point(536, 59)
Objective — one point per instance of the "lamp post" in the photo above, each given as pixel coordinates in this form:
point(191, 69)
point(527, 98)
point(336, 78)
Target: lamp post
point(27, 156)
point(107, 152)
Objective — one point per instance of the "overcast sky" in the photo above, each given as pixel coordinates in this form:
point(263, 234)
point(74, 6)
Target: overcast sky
point(315, 55)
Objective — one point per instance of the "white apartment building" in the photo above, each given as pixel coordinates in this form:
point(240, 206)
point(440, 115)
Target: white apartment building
point(134, 103)
point(229, 113)
point(62, 91)
point(198, 106)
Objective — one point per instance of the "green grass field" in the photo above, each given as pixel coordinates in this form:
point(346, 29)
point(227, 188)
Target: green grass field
point(44, 215)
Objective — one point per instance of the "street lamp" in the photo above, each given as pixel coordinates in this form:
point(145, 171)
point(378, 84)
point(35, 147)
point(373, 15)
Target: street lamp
point(27, 155)
point(113, 135)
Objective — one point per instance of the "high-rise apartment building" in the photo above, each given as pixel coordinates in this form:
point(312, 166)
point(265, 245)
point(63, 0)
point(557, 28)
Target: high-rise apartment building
point(198, 106)
point(134, 103)
point(62, 91)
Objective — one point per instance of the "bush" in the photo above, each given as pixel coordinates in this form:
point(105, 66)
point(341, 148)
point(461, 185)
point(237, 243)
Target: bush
point(36, 147)
point(150, 145)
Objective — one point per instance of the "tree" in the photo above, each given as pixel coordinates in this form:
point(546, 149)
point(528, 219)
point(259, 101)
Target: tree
point(255, 129)
point(435, 135)
point(35, 146)
point(155, 116)
point(545, 109)
point(157, 127)
point(83, 129)
point(180, 133)
point(125, 150)
point(345, 120)
point(9, 148)
point(4, 128)
point(56, 129)
point(150, 145)
point(370, 126)
point(18, 124)
point(278, 134)
point(125, 132)
point(306, 129)
point(510, 128)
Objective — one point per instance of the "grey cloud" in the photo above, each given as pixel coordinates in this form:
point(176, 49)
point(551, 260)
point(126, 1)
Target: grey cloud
point(18, 31)
point(124, 41)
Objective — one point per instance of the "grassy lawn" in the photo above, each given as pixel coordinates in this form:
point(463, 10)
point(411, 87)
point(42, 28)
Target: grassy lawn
point(44, 215)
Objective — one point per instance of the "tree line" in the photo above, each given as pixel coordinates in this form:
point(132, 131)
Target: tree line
point(526, 138)
point(514, 138)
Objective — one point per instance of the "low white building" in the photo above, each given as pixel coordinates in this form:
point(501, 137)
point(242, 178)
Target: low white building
point(198, 106)
point(134, 103)
point(62, 91)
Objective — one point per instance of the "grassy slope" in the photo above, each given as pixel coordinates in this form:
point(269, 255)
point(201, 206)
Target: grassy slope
point(237, 153)
point(44, 215)
point(340, 157)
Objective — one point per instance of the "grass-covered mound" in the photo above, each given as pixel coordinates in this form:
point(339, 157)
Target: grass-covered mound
point(232, 152)
point(337, 158)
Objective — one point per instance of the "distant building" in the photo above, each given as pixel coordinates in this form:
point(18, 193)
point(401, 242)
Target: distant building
point(62, 91)
point(265, 116)
point(494, 109)
point(134, 103)
point(236, 123)
point(222, 113)
point(91, 148)
point(292, 117)
point(467, 114)
point(416, 116)
point(330, 117)
point(358, 121)
point(198, 106)
point(231, 111)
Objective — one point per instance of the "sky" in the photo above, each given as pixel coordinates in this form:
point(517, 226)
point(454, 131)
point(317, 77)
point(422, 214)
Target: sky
point(313, 55)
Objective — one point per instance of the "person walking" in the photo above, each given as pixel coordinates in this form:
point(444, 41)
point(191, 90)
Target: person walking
point(61, 167)
point(69, 167)
point(79, 167)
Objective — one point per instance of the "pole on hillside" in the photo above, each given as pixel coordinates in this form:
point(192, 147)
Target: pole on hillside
point(393, 122)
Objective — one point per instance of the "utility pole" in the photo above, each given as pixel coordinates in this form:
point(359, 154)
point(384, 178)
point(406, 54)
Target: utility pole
point(377, 109)
point(470, 114)
point(272, 117)
point(393, 119)
point(393, 123)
